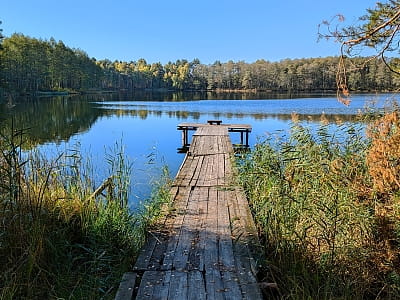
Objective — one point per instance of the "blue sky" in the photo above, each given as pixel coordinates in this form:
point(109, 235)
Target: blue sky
point(167, 30)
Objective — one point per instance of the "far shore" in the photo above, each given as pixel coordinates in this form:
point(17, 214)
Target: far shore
point(4, 95)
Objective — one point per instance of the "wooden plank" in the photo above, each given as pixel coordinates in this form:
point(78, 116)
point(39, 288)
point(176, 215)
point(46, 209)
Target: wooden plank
point(214, 286)
point(183, 170)
point(214, 172)
point(228, 176)
point(188, 232)
point(182, 177)
point(162, 233)
point(226, 259)
point(211, 258)
point(196, 145)
point(174, 236)
point(200, 252)
point(192, 171)
point(220, 173)
point(144, 259)
point(126, 287)
point(204, 175)
point(197, 171)
point(196, 286)
point(196, 251)
point(161, 290)
point(200, 131)
point(245, 264)
point(207, 171)
point(246, 216)
point(187, 175)
point(210, 130)
point(178, 288)
point(159, 251)
point(231, 285)
point(150, 280)
point(154, 285)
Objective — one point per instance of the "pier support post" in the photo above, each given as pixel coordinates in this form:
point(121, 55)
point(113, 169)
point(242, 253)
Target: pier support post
point(185, 141)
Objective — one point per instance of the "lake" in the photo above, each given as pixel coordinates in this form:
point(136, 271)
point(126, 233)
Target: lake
point(145, 123)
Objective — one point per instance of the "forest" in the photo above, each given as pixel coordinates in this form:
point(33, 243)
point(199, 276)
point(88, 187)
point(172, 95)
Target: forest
point(30, 65)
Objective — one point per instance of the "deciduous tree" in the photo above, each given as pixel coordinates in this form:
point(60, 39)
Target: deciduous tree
point(378, 30)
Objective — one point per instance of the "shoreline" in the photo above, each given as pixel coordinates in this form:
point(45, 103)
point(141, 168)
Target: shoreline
point(40, 94)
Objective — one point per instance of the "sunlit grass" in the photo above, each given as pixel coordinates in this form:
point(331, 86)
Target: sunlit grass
point(56, 240)
point(329, 229)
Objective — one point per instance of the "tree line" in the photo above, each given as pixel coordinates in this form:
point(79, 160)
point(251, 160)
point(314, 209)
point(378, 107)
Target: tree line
point(30, 65)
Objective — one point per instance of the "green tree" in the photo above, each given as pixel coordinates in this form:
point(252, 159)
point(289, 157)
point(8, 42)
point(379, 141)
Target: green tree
point(1, 35)
point(2, 81)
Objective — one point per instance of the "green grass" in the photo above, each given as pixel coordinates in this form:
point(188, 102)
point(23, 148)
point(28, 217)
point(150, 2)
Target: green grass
point(56, 242)
point(320, 217)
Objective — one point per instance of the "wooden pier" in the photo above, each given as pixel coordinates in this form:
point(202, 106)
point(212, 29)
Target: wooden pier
point(205, 248)
point(243, 129)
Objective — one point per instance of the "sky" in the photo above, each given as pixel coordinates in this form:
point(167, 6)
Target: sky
point(167, 30)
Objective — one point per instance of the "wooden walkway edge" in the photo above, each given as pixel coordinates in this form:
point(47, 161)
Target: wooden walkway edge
point(205, 247)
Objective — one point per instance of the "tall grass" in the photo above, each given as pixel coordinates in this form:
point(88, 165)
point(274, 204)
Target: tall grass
point(58, 242)
point(318, 207)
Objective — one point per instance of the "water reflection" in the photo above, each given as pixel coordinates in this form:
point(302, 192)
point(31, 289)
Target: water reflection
point(51, 119)
point(183, 115)
point(146, 122)
point(57, 119)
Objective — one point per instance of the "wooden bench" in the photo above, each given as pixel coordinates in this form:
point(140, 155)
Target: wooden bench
point(214, 122)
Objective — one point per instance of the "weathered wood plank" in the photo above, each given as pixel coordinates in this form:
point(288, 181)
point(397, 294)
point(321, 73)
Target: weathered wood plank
point(186, 173)
point(210, 130)
point(226, 259)
point(197, 171)
point(211, 242)
point(215, 173)
point(221, 170)
point(143, 260)
point(188, 232)
point(176, 228)
point(178, 288)
point(196, 251)
point(214, 286)
point(200, 251)
point(145, 257)
point(196, 286)
point(231, 285)
point(245, 265)
point(126, 287)
point(248, 222)
point(228, 176)
point(161, 290)
point(206, 171)
point(148, 284)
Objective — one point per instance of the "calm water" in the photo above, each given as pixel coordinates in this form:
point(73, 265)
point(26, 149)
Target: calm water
point(146, 124)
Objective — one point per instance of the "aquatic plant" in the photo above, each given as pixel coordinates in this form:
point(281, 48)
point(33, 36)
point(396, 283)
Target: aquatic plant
point(314, 197)
point(58, 238)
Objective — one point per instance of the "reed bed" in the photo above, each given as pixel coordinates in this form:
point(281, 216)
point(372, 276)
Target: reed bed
point(326, 202)
point(57, 241)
